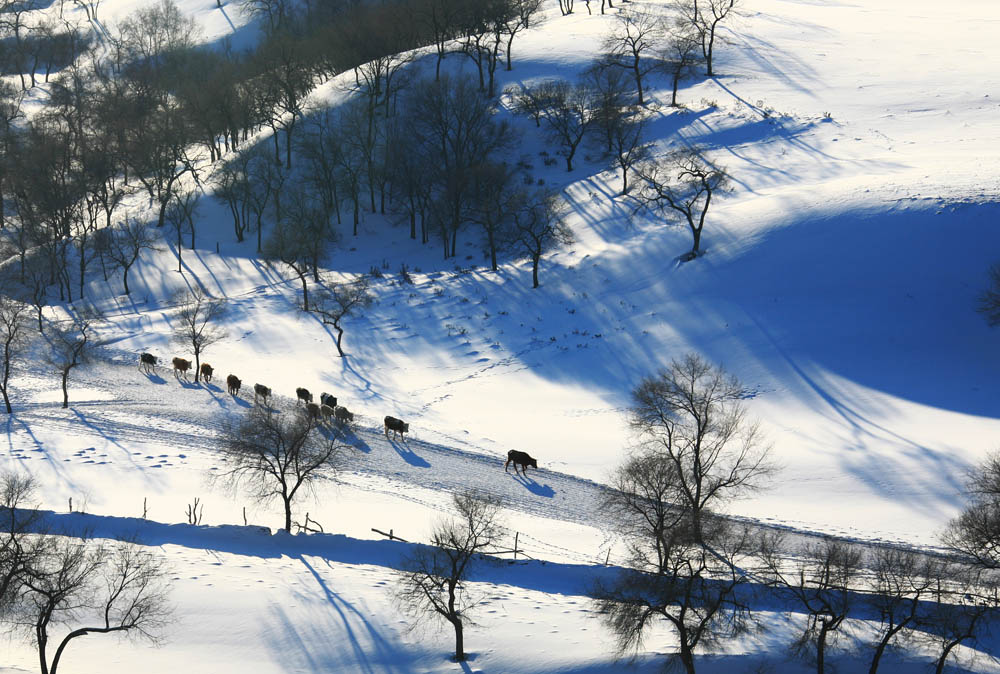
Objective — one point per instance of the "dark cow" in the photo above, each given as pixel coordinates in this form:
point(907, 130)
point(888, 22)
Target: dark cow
point(181, 365)
point(147, 362)
point(328, 400)
point(519, 459)
point(396, 426)
point(312, 410)
point(343, 415)
point(304, 395)
point(262, 391)
point(206, 371)
point(233, 384)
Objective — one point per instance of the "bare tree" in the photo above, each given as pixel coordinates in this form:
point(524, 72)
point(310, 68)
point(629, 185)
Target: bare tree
point(19, 542)
point(126, 243)
point(181, 215)
point(198, 323)
point(704, 16)
point(458, 133)
point(300, 240)
point(569, 114)
point(277, 13)
point(989, 300)
point(158, 153)
point(434, 580)
point(539, 225)
point(93, 589)
point(612, 93)
point(524, 11)
point(680, 55)
point(531, 101)
point(232, 187)
point(691, 415)
point(903, 579)
point(822, 582)
point(670, 576)
point(493, 195)
point(271, 455)
point(975, 533)
point(70, 346)
point(682, 182)
point(10, 111)
point(627, 146)
point(632, 43)
point(14, 334)
point(336, 301)
point(961, 613)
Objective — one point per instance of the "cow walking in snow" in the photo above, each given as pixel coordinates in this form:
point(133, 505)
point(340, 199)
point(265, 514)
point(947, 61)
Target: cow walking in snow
point(519, 459)
point(396, 426)
point(147, 363)
point(181, 365)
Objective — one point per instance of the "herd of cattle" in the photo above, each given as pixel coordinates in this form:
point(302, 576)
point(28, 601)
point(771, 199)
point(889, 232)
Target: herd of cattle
point(326, 409)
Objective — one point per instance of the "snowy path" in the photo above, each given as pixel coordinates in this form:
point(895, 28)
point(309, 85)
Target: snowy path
point(127, 412)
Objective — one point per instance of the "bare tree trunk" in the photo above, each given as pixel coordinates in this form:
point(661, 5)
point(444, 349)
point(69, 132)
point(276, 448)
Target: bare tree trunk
point(65, 387)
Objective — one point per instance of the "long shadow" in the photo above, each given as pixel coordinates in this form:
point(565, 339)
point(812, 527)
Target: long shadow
point(354, 440)
point(408, 454)
point(154, 378)
point(212, 390)
point(188, 384)
point(39, 445)
point(542, 490)
point(385, 650)
point(553, 578)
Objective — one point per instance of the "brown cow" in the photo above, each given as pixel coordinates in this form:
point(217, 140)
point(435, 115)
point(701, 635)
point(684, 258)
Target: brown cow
point(181, 365)
point(327, 412)
point(343, 415)
point(312, 409)
point(519, 459)
point(303, 394)
point(206, 372)
point(233, 383)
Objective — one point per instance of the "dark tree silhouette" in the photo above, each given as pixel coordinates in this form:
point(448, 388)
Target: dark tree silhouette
point(684, 183)
point(271, 455)
point(198, 323)
point(336, 301)
point(691, 416)
point(14, 335)
point(434, 580)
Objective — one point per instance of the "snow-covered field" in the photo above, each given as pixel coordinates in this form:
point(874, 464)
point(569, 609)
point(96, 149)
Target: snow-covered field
point(840, 284)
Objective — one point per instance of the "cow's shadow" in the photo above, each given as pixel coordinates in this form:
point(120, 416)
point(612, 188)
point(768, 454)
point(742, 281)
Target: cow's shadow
point(154, 378)
point(345, 435)
point(241, 402)
point(185, 383)
point(356, 441)
point(543, 490)
point(408, 454)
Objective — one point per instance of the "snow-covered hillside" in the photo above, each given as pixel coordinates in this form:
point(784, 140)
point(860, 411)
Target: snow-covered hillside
point(839, 283)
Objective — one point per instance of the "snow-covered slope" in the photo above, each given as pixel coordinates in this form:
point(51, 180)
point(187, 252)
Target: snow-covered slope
point(839, 283)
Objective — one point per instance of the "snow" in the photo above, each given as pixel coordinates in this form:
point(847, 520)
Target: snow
point(839, 283)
